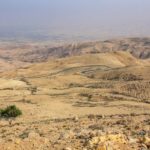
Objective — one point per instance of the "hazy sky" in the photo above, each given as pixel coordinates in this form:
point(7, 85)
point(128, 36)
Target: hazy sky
point(103, 17)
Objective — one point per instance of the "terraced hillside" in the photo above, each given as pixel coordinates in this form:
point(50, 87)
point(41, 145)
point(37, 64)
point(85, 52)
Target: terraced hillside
point(90, 101)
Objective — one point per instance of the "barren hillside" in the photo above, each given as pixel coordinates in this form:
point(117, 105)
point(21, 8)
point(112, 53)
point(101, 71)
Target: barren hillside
point(91, 101)
point(16, 55)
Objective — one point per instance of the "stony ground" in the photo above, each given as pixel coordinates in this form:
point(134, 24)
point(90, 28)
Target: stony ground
point(92, 132)
point(57, 98)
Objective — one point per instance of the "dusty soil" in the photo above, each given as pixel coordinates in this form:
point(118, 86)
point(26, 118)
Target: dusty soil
point(93, 101)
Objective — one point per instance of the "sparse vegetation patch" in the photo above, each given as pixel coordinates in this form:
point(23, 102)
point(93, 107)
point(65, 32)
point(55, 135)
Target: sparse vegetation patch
point(10, 112)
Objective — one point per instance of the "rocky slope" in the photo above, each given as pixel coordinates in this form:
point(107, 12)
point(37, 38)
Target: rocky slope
point(90, 132)
point(88, 102)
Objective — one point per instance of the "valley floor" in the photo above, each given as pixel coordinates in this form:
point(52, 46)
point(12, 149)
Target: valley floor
point(88, 102)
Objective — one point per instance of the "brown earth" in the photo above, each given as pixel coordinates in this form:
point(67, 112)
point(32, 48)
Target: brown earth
point(88, 102)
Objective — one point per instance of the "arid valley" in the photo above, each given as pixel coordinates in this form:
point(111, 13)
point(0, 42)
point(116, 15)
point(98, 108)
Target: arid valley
point(80, 96)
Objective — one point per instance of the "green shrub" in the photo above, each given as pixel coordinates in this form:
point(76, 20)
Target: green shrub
point(10, 111)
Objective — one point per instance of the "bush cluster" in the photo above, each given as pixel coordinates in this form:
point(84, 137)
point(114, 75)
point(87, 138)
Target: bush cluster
point(10, 112)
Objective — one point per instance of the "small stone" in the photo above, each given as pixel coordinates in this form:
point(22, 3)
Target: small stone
point(17, 141)
point(66, 135)
point(103, 116)
point(147, 141)
point(142, 133)
point(99, 133)
point(33, 135)
point(132, 140)
point(84, 148)
point(67, 148)
point(144, 146)
point(76, 118)
point(101, 147)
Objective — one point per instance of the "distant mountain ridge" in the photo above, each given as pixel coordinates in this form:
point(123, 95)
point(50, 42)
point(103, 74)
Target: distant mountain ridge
point(18, 55)
point(139, 47)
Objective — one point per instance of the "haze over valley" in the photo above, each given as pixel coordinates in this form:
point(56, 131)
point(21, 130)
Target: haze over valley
point(73, 20)
point(74, 75)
